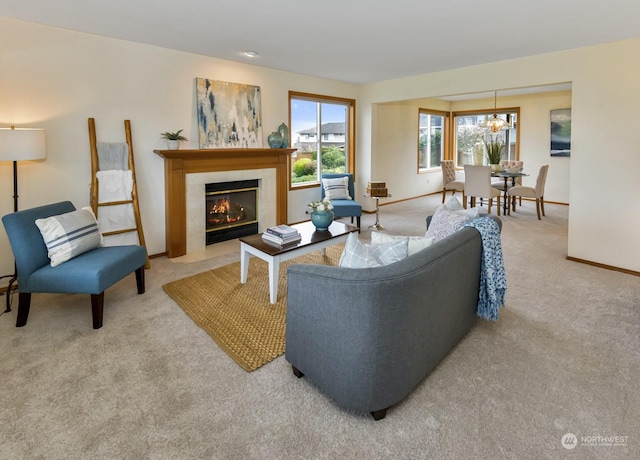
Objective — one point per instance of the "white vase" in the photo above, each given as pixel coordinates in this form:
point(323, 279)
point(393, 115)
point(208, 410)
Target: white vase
point(173, 144)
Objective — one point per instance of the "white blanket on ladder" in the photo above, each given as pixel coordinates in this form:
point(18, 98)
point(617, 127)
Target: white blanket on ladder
point(116, 185)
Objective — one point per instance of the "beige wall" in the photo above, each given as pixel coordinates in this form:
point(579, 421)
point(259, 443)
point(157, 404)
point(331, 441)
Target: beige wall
point(604, 214)
point(56, 79)
point(397, 143)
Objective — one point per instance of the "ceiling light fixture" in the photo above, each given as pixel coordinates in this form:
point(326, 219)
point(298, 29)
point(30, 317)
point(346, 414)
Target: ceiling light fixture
point(495, 124)
point(250, 54)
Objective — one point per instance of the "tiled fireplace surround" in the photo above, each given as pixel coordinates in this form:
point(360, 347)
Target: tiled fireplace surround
point(187, 172)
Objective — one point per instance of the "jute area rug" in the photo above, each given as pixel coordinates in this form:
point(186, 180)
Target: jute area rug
point(239, 317)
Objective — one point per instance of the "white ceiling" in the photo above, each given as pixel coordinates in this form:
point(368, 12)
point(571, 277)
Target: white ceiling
point(355, 41)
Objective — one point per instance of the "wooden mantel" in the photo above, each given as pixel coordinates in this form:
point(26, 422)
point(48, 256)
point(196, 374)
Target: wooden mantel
point(178, 163)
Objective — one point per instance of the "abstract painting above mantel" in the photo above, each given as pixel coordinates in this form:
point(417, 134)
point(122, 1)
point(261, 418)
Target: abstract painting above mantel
point(561, 133)
point(229, 114)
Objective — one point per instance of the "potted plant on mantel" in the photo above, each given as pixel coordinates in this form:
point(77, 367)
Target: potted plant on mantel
point(174, 139)
point(494, 153)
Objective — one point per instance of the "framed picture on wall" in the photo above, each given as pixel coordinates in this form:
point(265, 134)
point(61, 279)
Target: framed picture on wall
point(561, 133)
point(229, 114)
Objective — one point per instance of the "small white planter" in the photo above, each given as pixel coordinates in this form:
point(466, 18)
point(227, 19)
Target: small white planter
point(173, 145)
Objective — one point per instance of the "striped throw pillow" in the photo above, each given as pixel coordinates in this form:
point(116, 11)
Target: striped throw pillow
point(69, 235)
point(337, 189)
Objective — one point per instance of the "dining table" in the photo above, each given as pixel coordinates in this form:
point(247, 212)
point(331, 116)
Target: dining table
point(506, 175)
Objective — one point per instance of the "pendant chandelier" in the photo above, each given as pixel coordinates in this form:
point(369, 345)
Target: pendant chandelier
point(494, 124)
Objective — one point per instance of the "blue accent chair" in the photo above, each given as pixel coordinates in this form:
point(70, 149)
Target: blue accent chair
point(345, 208)
point(89, 273)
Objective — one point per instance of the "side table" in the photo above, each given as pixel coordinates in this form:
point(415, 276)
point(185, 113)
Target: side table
point(377, 226)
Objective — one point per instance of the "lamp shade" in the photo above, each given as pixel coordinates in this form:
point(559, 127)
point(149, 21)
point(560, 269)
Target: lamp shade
point(18, 144)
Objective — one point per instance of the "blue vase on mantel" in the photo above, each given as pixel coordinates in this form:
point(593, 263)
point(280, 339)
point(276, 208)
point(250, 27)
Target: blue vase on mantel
point(284, 132)
point(321, 219)
point(275, 140)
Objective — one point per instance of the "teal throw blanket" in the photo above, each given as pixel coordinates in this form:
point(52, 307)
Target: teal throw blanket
point(493, 282)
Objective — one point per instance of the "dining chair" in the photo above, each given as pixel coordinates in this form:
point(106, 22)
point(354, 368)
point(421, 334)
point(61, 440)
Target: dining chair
point(477, 184)
point(449, 181)
point(536, 192)
point(500, 184)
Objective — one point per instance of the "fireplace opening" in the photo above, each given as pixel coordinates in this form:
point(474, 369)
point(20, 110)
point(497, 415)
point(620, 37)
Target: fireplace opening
point(231, 210)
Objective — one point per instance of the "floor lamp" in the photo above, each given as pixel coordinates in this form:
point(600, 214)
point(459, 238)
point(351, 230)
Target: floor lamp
point(20, 144)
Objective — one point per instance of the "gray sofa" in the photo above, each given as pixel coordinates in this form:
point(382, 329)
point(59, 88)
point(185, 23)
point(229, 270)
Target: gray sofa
point(367, 337)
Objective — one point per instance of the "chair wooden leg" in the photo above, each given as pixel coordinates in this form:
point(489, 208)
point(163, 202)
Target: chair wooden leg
point(538, 207)
point(542, 205)
point(464, 201)
point(490, 205)
point(24, 304)
point(513, 203)
point(444, 194)
point(358, 223)
point(379, 414)
point(297, 372)
point(498, 200)
point(97, 307)
point(140, 279)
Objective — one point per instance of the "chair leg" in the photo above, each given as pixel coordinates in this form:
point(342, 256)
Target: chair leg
point(297, 372)
point(97, 307)
point(140, 279)
point(498, 200)
point(444, 194)
point(490, 205)
point(538, 207)
point(24, 303)
point(464, 201)
point(513, 203)
point(542, 205)
point(358, 221)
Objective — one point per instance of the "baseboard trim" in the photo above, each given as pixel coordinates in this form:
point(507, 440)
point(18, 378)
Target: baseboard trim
point(605, 266)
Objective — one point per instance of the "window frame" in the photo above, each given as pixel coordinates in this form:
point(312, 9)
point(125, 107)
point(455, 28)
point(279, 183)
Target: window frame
point(350, 134)
point(446, 126)
point(506, 111)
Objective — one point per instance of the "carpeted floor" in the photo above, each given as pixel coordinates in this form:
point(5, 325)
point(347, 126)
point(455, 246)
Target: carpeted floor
point(563, 358)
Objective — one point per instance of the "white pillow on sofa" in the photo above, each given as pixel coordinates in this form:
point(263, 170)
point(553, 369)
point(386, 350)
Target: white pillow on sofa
point(337, 188)
point(416, 243)
point(69, 235)
point(449, 218)
point(360, 255)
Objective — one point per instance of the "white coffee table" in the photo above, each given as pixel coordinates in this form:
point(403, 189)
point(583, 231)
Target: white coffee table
point(312, 240)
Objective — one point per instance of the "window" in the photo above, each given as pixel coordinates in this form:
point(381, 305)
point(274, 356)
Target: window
point(470, 140)
point(431, 138)
point(320, 124)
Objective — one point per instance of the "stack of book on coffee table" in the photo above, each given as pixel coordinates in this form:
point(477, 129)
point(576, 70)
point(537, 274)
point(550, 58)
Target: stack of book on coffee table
point(281, 235)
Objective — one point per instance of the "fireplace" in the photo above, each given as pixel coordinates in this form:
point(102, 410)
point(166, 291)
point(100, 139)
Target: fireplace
point(231, 210)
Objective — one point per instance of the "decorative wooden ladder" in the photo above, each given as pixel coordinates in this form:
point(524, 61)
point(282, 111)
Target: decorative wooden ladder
point(95, 201)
